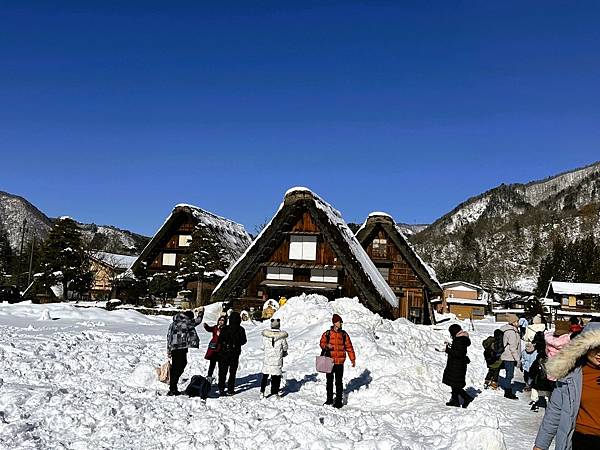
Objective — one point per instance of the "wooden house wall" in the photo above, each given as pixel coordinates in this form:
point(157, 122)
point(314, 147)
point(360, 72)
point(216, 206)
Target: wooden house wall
point(170, 244)
point(401, 275)
point(325, 256)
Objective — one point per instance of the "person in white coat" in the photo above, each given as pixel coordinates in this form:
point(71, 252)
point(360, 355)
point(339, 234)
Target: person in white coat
point(531, 330)
point(275, 347)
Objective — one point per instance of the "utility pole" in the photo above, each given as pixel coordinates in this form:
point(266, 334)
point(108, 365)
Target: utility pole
point(30, 261)
point(21, 254)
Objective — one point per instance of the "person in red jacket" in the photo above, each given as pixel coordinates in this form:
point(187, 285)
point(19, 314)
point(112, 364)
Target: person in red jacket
point(337, 343)
point(212, 353)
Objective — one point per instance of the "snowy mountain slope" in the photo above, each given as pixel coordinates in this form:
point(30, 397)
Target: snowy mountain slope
point(14, 209)
point(508, 229)
point(86, 380)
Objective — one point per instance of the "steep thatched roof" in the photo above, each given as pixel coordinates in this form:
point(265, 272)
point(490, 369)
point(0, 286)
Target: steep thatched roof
point(233, 237)
point(367, 280)
point(423, 271)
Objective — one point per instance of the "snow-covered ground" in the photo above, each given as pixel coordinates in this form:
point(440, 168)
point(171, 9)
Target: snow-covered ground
point(83, 378)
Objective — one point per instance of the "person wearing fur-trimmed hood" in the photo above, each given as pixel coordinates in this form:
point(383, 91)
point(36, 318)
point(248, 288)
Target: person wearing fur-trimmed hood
point(275, 347)
point(456, 366)
point(572, 418)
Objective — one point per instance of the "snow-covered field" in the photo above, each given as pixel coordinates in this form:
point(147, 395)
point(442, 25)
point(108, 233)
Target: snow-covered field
point(83, 378)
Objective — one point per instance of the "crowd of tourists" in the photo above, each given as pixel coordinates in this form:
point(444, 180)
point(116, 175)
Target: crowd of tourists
point(225, 347)
point(561, 371)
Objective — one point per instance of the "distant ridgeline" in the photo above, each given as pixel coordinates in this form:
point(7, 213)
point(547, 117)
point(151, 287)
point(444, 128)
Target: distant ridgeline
point(500, 237)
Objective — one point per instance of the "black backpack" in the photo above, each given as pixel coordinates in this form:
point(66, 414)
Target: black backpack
point(198, 387)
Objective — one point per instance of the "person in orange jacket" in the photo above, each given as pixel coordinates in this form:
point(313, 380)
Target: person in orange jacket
point(336, 343)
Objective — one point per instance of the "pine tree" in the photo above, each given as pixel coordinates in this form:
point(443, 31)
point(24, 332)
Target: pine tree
point(206, 257)
point(163, 285)
point(6, 255)
point(64, 259)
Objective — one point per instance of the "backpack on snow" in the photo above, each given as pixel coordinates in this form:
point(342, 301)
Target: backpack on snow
point(198, 387)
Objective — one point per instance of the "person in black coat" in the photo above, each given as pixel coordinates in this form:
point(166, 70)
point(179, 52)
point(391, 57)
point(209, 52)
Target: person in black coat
point(231, 339)
point(456, 366)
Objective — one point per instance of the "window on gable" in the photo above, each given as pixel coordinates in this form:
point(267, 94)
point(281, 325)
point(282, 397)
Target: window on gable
point(324, 275)
point(379, 248)
point(303, 247)
point(169, 259)
point(280, 273)
point(185, 240)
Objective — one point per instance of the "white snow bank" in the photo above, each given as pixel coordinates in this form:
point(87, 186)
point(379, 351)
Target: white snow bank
point(87, 380)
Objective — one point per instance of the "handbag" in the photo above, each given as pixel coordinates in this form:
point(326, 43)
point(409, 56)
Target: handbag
point(164, 372)
point(324, 362)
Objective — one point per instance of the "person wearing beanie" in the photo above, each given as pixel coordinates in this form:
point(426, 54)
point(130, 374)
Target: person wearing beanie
point(456, 366)
point(512, 352)
point(335, 342)
point(275, 347)
point(572, 418)
point(536, 326)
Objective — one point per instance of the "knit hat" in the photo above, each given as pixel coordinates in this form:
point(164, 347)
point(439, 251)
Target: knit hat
point(275, 323)
point(511, 318)
point(454, 329)
point(537, 319)
point(336, 318)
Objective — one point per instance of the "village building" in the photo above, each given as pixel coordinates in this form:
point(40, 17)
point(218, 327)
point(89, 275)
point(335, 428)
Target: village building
point(171, 243)
point(105, 267)
point(465, 300)
point(575, 299)
point(413, 282)
point(307, 247)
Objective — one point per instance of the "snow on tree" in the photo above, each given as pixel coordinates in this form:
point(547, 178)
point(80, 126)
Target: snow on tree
point(163, 285)
point(207, 259)
point(64, 259)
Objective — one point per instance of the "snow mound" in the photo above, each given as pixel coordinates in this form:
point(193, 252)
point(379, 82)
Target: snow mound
point(45, 315)
point(76, 384)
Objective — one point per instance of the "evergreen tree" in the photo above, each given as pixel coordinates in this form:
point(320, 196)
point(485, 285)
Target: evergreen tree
point(64, 259)
point(163, 285)
point(206, 257)
point(6, 256)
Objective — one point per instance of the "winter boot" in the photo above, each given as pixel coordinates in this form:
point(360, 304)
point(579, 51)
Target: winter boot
point(338, 404)
point(453, 401)
point(494, 385)
point(172, 393)
point(467, 400)
point(487, 384)
point(329, 401)
point(509, 394)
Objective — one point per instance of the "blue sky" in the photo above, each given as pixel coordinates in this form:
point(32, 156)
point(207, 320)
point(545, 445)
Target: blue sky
point(113, 112)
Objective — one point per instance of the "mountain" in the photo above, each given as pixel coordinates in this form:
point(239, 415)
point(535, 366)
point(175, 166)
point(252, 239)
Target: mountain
point(505, 231)
point(15, 209)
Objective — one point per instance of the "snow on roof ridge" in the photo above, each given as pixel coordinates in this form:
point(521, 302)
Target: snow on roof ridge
point(204, 211)
point(298, 189)
point(380, 214)
point(566, 287)
point(358, 251)
point(447, 283)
